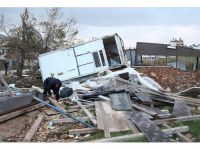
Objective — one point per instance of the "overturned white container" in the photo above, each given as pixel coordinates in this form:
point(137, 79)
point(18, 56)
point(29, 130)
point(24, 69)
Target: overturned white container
point(83, 60)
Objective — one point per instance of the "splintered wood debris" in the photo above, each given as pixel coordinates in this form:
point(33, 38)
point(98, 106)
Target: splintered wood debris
point(113, 104)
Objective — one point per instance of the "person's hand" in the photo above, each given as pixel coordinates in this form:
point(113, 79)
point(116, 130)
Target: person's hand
point(57, 97)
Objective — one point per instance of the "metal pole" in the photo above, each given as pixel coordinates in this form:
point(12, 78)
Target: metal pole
point(166, 56)
point(176, 58)
point(197, 63)
point(61, 111)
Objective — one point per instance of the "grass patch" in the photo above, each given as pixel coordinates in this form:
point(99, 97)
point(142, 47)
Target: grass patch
point(194, 128)
point(66, 107)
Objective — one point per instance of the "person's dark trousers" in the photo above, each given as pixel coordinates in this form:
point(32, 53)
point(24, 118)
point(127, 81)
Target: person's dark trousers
point(6, 70)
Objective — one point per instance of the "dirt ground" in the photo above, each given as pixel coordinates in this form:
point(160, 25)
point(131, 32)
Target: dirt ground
point(14, 130)
point(176, 80)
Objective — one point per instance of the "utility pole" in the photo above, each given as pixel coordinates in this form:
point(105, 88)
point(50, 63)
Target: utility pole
point(2, 24)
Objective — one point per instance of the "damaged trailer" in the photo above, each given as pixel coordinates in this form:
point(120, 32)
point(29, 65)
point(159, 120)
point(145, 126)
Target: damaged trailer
point(83, 60)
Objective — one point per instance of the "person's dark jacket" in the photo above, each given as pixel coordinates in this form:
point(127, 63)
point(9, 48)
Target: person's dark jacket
point(54, 84)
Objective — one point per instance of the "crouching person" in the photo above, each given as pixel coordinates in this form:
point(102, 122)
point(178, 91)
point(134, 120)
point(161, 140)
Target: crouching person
point(54, 84)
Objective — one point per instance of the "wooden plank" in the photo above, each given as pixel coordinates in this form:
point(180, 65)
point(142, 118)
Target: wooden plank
point(99, 115)
point(19, 112)
point(105, 122)
point(142, 96)
point(145, 114)
point(179, 119)
point(180, 135)
point(13, 103)
point(148, 127)
point(35, 88)
point(33, 129)
point(69, 120)
point(55, 103)
point(104, 98)
point(117, 121)
point(50, 112)
point(133, 127)
point(133, 137)
point(144, 108)
point(193, 91)
point(92, 118)
point(187, 99)
point(5, 84)
point(83, 131)
point(71, 109)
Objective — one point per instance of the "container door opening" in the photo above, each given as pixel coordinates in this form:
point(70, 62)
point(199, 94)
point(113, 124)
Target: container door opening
point(111, 51)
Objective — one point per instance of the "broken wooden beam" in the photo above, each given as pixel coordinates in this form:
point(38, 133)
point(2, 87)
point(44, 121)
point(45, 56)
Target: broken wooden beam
point(144, 108)
point(186, 99)
point(101, 120)
point(133, 137)
point(33, 129)
point(179, 119)
point(19, 112)
point(77, 108)
point(104, 121)
point(56, 104)
point(133, 127)
point(83, 131)
point(180, 135)
point(5, 84)
point(92, 118)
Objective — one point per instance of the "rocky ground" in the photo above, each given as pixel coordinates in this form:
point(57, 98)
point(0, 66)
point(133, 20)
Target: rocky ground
point(173, 79)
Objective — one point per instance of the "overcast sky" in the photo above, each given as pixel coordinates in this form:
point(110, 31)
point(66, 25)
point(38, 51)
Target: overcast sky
point(158, 25)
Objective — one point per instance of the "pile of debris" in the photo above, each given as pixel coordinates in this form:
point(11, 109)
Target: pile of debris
point(174, 79)
point(121, 102)
point(26, 81)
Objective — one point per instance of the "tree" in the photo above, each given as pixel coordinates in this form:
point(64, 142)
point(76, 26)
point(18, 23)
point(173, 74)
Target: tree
point(31, 38)
point(23, 40)
point(57, 33)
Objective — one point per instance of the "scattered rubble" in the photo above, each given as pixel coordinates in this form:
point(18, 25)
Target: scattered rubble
point(24, 81)
point(118, 101)
point(176, 80)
